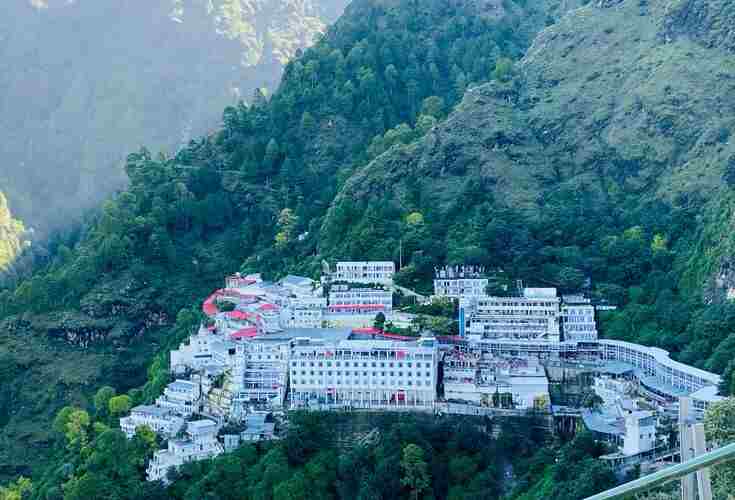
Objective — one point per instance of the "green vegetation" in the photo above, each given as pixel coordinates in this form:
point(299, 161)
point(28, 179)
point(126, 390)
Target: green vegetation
point(86, 83)
point(255, 192)
point(323, 455)
point(595, 162)
point(11, 234)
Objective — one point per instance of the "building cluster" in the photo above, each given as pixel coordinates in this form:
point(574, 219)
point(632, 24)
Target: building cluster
point(298, 343)
point(495, 381)
point(534, 314)
point(622, 417)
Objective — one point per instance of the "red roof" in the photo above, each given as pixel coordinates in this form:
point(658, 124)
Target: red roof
point(237, 314)
point(209, 307)
point(245, 333)
point(268, 307)
point(370, 330)
point(357, 306)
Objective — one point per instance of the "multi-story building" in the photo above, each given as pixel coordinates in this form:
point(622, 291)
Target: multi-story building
point(365, 272)
point(363, 374)
point(201, 443)
point(304, 312)
point(460, 282)
point(660, 376)
point(534, 316)
point(578, 318)
point(360, 300)
point(260, 374)
point(518, 383)
point(160, 420)
point(180, 397)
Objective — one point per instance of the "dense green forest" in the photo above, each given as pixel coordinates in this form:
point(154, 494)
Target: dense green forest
point(246, 192)
point(84, 83)
point(329, 456)
point(587, 158)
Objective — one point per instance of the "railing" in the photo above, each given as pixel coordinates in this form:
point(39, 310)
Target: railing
point(677, 471)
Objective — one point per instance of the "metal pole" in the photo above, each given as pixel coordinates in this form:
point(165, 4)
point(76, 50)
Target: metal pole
point(700, 447)
point(669, 474)
point(686, 448)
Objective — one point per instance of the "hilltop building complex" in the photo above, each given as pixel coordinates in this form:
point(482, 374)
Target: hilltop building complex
point(305, 344)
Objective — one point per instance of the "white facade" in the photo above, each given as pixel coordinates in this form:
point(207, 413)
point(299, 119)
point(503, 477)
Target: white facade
point(201, 444)
point(304, 312)
point(260, 374)
point(363, 374)
point(578, 322)
point(495, 381)
point(365, 272)
point(535, 316)
point(360, 300)
point(458, 288)
point(159, 420)
point(193, 353)
point(640, 432)
point(656, 364)
point(180, 397)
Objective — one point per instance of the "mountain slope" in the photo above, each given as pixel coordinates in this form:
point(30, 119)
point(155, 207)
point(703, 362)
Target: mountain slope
point(607, 156)
point(83, 83)
point(187, 219)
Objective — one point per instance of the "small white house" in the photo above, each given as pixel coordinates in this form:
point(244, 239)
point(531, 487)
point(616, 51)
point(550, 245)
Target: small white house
point(160, 420)
point(200, 444)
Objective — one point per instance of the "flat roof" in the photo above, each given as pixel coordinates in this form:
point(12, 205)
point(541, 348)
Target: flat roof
point(597, 422)
point(151, 410)
point(662, 356)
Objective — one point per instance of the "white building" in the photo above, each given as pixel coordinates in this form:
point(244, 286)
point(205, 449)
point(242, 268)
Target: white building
point(159, 420)
point(360, 300)
point(180, 397)
point(640, 432)
point(260, 374)
point(363, 374)
point(365, 272)
point(193, 353)
point(660, 376)
point(300, 286)
point(518, 383)
point(201, 443)
point(578, 318)
point(460, 282)
point(534, 316)
point(304, 312)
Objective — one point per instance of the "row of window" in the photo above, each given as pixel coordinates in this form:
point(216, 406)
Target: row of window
point(356, 364)
point(400, 383)
point(357, 374)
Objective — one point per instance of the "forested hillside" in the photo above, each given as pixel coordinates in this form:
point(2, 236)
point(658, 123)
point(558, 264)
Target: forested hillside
point(84, 83)
point(601, 160)
point(251, 189)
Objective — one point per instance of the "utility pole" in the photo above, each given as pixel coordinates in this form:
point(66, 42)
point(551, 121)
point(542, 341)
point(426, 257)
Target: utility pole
point(685, 448)
point(704, 485)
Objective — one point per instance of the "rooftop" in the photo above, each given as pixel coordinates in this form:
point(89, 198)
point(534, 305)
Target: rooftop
point(150, 410)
